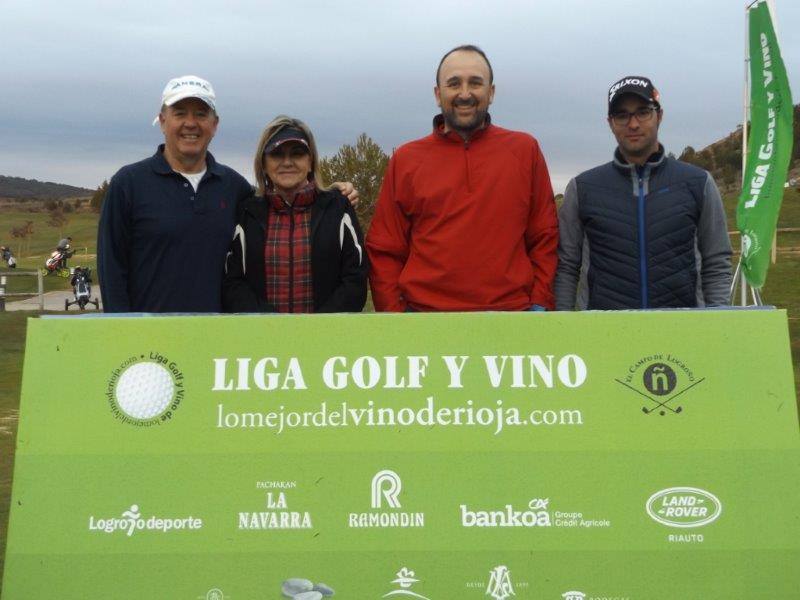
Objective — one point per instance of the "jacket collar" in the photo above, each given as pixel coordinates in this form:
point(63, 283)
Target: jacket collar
point(161, 166)
point(258, 209)
point(655, 160)
point(301, 201)
point(438, 129)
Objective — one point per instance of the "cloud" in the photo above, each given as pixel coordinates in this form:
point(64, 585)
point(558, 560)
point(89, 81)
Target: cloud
point(88, 75)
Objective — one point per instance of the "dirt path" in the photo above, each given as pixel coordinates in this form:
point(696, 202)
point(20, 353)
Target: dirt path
point(8, 422)
point(54, 301)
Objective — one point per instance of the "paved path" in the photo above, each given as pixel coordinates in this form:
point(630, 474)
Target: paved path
point(54, 301)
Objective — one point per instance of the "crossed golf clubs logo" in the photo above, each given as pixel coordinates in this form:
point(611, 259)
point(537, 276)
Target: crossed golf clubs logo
point(660, 380)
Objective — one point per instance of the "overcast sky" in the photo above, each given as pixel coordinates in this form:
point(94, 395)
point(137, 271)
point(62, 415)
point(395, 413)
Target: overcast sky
point(81, 80)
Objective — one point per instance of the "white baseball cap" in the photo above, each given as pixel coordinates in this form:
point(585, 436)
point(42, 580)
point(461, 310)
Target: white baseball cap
point(188, 86)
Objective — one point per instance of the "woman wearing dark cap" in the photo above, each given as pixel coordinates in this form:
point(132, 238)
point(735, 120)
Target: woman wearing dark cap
point(297, 247)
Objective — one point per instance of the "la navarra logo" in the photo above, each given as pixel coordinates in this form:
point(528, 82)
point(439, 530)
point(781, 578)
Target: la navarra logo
point(145, 389)
point(661, 382)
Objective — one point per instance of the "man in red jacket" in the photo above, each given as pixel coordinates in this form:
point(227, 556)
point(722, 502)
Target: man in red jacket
point(465, 219)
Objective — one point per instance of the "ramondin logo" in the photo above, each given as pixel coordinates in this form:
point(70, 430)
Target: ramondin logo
point(386, 484)
point(132, 520)
point(145, 390)
point(386, 487)
point(661, 379)
point(684, 507)
point(573, 595)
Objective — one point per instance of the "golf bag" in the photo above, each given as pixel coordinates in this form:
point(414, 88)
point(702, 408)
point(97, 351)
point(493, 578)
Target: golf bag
point(57, 261)
point(8, 258)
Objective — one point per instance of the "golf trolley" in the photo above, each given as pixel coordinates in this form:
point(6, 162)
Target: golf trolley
point(82, 289)
point(57, 262)
point(8, 257)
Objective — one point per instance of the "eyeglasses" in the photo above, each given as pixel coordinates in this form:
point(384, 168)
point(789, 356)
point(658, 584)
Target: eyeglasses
point(643, 115)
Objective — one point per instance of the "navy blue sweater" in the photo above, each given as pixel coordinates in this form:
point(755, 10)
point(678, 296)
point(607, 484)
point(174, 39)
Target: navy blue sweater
point(161, 246)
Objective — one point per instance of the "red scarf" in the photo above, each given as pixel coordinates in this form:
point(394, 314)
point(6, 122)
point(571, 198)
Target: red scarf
point(287, 251)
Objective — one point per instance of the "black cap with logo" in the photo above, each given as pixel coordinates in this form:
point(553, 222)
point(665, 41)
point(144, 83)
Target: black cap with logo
point(287, 134)
point(633, 84)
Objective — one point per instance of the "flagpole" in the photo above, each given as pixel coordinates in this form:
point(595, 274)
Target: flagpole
point(771, 5)
point(746, 116)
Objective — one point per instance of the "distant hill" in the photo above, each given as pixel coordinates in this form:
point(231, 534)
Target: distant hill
point(17, 187)
point(723, 158)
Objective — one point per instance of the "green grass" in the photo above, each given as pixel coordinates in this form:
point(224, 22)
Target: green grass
point(783, 283)
point(789, 239)
point(788, 217)
point(32, 253)
point(82, 227)
point(781, 290)
point(11, 352)
point(790, 209)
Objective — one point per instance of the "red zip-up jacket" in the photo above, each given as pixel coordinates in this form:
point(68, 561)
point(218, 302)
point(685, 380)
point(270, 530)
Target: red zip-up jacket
point(463, 226)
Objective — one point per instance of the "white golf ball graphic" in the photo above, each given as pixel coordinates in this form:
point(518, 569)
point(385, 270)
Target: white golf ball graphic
point(145, 390)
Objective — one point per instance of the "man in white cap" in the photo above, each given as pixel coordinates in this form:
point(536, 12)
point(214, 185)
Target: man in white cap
point(167, 221)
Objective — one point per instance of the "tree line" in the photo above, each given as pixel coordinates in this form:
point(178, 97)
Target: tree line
point(18, 187)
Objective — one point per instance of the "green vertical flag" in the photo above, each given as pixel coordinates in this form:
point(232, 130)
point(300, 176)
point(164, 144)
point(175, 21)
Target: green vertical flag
point(769, 147)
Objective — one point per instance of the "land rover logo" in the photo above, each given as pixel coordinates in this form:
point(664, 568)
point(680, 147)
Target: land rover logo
point(684, 507)
point(659, 379)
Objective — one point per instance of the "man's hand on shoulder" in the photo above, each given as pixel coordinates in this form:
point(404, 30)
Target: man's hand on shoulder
point(349, 191)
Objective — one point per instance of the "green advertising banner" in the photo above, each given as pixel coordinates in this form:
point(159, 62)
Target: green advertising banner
point(634, 456)
point(769, 146)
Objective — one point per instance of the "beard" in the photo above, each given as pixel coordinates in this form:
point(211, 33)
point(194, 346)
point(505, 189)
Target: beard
point(464, 128)
point(640, 149)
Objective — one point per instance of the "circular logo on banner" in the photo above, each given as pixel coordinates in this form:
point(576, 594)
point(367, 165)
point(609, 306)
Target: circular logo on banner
point(659, 379)
point(663, 380)
point(145, 390)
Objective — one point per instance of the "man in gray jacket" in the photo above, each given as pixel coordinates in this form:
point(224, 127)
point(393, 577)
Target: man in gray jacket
point(644, 230)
